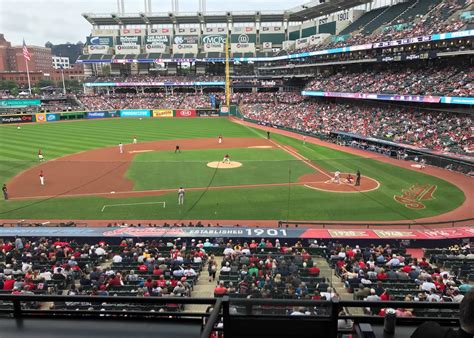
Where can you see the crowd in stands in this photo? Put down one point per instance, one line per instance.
(156, 78)
(434, 130)
(437, 20)
(145, 101)
(383, 273)
(433, 80)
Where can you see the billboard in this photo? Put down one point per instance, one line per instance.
(52, 117)
(186, 39)
(131, 31)
(266, 45)
(16, 119)
(213, 30)
(127, 49)
(213, 39)
(19, 103)
(185, 112)
(134, 113)
(214, 47)
(185, 48)
(99, 49)
(96, 114)
(153, 39)
(100, 41)
(301, 43)
(162, 113)
(242, 47)
(188, 30)
(129, 40)
(155, 48)
(41, 118)
(317, 39)
(159, 31)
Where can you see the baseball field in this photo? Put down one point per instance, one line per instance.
(86, 176)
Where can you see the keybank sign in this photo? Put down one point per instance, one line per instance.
(213, 39)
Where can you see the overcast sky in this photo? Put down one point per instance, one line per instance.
(59, 21)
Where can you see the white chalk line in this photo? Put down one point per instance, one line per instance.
(129, 204)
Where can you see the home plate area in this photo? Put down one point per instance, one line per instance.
(224, 165)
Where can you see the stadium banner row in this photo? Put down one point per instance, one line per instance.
(152, 84)
(28, 118)
(233, 232)
(396, 97)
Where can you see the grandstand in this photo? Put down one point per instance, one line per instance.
(284, 245)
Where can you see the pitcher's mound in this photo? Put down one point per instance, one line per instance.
(221, 165)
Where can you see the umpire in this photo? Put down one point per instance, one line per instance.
(5, 192)
(357, 182)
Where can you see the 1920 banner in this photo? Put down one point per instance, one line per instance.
(16, 119)
(185, 112)
(162, 113)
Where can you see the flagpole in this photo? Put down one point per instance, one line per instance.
(28, 74)
(64, 86)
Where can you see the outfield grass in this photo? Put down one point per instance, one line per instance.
(164, 169)
(19, 150)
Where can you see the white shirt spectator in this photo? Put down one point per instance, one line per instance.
(117, 259)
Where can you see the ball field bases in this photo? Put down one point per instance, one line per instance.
(266, 187)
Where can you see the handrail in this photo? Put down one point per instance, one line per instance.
(211, 321)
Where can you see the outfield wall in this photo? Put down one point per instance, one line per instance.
(123, 113)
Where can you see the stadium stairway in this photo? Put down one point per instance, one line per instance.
(203, 288)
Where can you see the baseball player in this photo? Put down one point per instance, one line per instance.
(177, 150)
(226, 159)
(5, 192)
(422, 163)
(304, 139)
(40, 155)
(180, 196)
(220, 139)
(41, 176)
(350, 179)
(121, 148)
(357, 183)
(135, 140)
(337, 177)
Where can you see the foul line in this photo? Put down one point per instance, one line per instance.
(127, 204)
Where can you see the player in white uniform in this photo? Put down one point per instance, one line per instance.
(226, 159)
(41, 176)
(121, 148)
(220, 139)
(180, 196)
(337, 177)
(135, 140)
(40, 155)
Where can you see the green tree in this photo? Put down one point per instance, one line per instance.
(9, 85)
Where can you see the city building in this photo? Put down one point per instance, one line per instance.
(61, 62)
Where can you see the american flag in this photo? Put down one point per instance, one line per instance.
(26, 53)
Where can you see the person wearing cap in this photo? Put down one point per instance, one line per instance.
(373, 296)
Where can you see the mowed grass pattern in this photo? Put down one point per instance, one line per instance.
(164, 169)
(19, 151)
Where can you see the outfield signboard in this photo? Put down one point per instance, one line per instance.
(16, 119)
(134, 113)
(19, 103)
(162, 113)
(185, 112)
(41, 118)
(52, 117)
(96, 114)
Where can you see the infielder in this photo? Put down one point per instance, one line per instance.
(121, 148)
(220, 139)
(337, 177)
(41, 176)
(177, 149)
(135, 140)
(180, 196)
(226, 159)
(40, 155)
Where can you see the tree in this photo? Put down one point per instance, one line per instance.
(8, 85)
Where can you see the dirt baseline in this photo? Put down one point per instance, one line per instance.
(102, 171)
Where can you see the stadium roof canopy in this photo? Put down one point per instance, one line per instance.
(304, 12)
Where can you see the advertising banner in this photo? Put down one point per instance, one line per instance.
(243, 38)
(213, 30)
(207, 112)
(155, 48)
(16, 119)
(301, 43)
(104, 32)
(127, 49)
(162, 113)
(41, 118)
(183, 48)
(99, 49)
(129, 40)
(289, 44)
(185, 112)
(100, 41)
(131, 31)
(272, 29)
(188, 30)
(213, 39)
(266, 45)
(19, 103)
(52, 117)
(214, 47)
(159, 31)
(134, 113)
(96, 114)
(317, 39)
(186, 39)
(154, 39)
(242, 47)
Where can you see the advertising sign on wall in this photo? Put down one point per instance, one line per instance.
(162, 113)
(96, 114)
(182, 48)
(100, 41)
(152, 39)
(134, 113)
(127, 49)
(129, 40)
(41, 118)
(186, 39)
(52, 117)
(186, 113)
(155, 48)
(213, 47)
(99, 49)
(242, 47)
(16, 119)
(19, 103)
